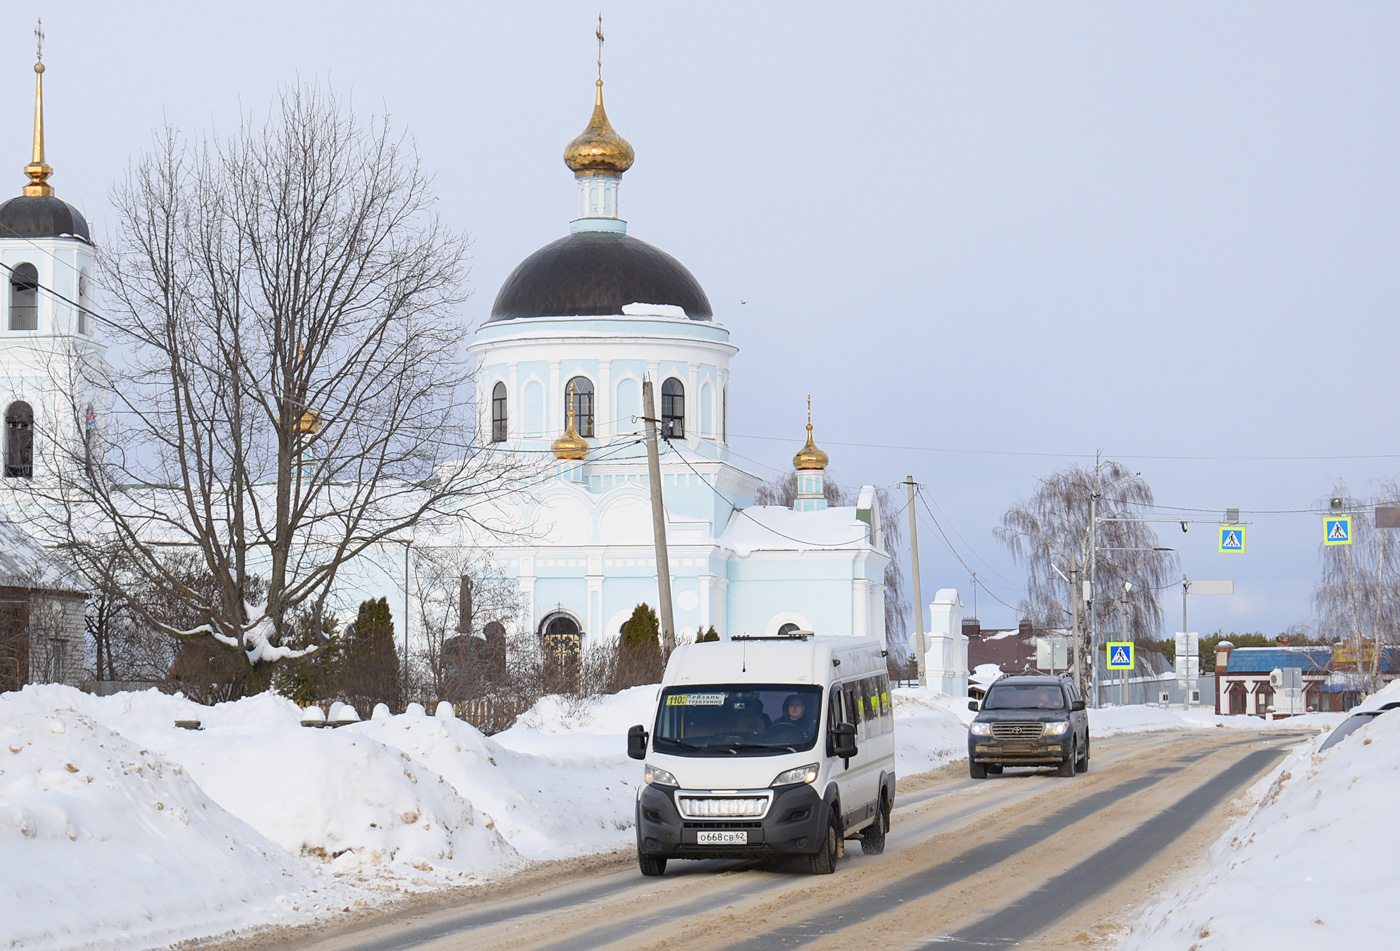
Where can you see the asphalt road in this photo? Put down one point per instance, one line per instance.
(1024, 859)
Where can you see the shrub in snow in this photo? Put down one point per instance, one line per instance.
(415, 710)
(380, 712)
(444, 711)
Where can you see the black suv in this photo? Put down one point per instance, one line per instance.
(1029, 720)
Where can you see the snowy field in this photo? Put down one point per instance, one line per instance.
(120, 830)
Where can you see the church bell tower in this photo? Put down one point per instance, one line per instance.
(50, 352)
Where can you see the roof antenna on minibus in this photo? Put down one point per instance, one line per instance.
(744, 659)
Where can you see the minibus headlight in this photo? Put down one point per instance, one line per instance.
(981, 729)
(802, 774)
(656, 776)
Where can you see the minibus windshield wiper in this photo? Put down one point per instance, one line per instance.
(736, 746)
(683, 744)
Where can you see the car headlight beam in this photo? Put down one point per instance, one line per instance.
(980, 729)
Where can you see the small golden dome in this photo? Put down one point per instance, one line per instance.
(598, 149)
(570, 445)
(309, 422)
(809, 456)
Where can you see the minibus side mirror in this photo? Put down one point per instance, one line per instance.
(972, 705)
(843, 740)
(637, 742)
(1077, 705)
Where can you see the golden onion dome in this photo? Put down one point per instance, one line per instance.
(570, 445)
(809, 456)
(310, 422)
(598, 149)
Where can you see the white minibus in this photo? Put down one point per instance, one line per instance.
(767, 747)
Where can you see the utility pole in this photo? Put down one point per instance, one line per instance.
(1079, 653)
(658, 525)
(909, 486)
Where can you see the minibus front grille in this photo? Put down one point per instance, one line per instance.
(722, 825)
(694, 805)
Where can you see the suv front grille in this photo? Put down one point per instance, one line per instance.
(1017, 731)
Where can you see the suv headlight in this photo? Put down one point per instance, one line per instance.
(1057, 729)
(656, 776)
(802, 774)
(980, 729)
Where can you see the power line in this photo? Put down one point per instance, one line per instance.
(919, 491)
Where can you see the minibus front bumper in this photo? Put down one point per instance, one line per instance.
(794, 823)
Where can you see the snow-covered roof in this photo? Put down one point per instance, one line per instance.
(779, 528)
(25, 564)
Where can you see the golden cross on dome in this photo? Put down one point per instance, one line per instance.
(599, 33)
(39, 38)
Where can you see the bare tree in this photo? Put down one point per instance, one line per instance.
(466, 605)
(1358, 596)
(292, 393)
(1051, 535)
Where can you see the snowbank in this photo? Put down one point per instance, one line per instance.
(1310, 865)
(120, 830)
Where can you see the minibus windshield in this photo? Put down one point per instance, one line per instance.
(737, 719)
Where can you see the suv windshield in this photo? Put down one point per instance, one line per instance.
(1024, 697)
(737, 719)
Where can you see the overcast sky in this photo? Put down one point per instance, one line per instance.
(989, 239)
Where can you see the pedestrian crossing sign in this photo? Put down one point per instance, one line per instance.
(1120, 655)
(1232, 538)
(1337, 530)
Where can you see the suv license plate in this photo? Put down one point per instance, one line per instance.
(721, 838)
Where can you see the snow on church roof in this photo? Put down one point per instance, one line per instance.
(779, 528)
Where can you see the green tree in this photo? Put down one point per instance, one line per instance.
(369, 664)
(708, 636)
(639, 658)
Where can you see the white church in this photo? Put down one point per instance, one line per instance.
(574, 331)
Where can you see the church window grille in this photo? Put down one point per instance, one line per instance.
(581, 389)
(24, 297)
(19, 441)
(672, 409)
(498, 413)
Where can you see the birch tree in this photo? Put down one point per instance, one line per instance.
(1357, 598)
(1052, 536)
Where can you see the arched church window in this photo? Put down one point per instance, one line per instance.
(498, 413)
(19, 441)
(672, 409)
(581, 389)
(24, 297)
(84, 318)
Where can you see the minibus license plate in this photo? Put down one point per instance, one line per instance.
(714, 837)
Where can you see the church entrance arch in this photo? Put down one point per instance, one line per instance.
(561, 639)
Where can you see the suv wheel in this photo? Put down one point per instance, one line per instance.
(1082, 765)
(1066, 767)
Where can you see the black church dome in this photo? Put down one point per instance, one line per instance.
(596, 274)
(41, 216)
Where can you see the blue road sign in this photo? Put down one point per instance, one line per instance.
(1120, 655)
(1232, 538)
(1336, 530)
